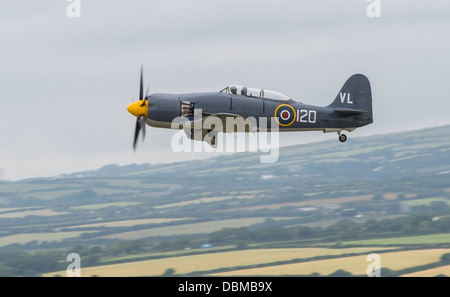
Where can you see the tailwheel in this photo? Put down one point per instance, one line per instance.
(342, 137)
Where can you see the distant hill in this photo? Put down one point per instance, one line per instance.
(380, 157)
(375, 176)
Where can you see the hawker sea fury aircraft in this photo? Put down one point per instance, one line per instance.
(351, 109)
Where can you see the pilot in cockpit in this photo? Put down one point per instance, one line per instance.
(233, 90)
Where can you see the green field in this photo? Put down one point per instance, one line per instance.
(404, 240)
(103, 205)
(194, 228)
(309, 202)
(128, 223)
(24, 213)
(426, 201)
(38, 237)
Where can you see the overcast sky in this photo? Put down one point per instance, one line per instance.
(65, 82)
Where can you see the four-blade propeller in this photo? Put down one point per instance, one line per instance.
(140, 110)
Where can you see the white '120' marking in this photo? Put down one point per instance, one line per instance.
(306, 116)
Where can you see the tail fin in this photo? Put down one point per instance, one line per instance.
(355, 97)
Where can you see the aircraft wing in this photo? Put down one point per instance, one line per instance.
(222, 116)
(210, 120)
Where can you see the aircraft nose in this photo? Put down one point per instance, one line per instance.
(138, 108)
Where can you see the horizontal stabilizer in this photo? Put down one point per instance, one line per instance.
(349, 110)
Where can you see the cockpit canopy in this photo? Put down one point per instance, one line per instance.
(253, 92)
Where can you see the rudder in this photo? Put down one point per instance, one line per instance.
(355, 97)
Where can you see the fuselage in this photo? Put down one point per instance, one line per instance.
(290, 115)
(254, 110)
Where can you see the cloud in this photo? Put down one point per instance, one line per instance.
(65, 83)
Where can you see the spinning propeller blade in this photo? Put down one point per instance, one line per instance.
(140, 110)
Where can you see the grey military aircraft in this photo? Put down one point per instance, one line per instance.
(351, 109)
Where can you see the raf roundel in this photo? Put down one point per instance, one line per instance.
(285, 114)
